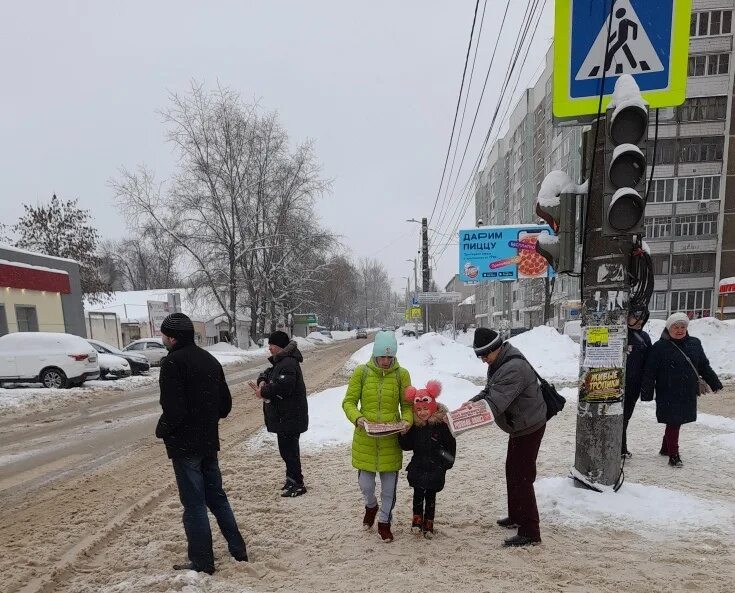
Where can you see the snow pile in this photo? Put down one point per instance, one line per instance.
(23, 395)
(304, 344)
(112, 363)
(434, 352)
(626, 94)
(227, 353)
(554, 356)
(645, 509)
(338, 336)
(555, 184)
(320, 338)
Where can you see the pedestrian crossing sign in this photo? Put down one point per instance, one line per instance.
(597, 41)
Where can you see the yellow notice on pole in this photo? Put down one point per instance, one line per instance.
(646, 39)
(597, 335)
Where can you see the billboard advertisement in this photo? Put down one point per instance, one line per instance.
(502, 253)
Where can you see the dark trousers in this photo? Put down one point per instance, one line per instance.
(628, 406)
(288, 447)
(200, 487)
(520, 474)
(424, 503)
(670, 444)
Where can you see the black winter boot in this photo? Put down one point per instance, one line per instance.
(675, 461)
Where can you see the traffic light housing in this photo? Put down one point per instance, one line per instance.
(625, 161)
(559, 250)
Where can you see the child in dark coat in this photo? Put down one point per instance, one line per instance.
(433, 448)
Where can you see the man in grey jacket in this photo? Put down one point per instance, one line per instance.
(515, 398)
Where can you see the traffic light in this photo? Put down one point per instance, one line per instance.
(559, 250)
(625, 161)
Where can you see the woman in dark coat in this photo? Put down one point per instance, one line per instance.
(670, 369)
(434, 448)
(285, 409)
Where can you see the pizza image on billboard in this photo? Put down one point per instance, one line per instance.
(530, 263)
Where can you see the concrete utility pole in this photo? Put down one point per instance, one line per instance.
(615, 211)
(425, 267)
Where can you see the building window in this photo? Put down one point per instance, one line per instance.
(695, 303)
(665, 151)
(658, 302)
(692, 225)
(3, 321)
(657, 227)
(661, 190)
(698, 188)
(700, 150)
(690, 263)
(713, 22)
(26, 317)
(708, 65)
(660, 265)
(703, 109)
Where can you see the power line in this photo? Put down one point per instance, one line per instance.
(472, 180)
(442, 214)
(464, 109)
(525, 23)
(456, 111)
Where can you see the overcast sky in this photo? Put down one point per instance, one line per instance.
(374, 84)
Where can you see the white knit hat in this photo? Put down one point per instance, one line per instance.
(677, 318)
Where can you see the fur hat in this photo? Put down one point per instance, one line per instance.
(486, 341)
(677, 318)
(424, 398)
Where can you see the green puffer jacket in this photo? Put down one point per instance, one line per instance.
(377, 400)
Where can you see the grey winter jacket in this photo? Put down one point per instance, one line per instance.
(514, 394)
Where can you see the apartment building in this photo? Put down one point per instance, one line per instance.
(690, 215)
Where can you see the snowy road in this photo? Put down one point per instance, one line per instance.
(71, 478)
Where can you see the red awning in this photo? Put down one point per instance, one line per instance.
(19, 275)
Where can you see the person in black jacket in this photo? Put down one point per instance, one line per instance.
(639, 345)
(434, 448)
(285, 409)
(194, 396)
(673, 368)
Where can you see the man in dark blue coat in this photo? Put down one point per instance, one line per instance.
(194, 396)
(639, 345)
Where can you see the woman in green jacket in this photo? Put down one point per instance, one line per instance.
(375, 394)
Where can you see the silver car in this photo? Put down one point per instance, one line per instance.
(152, 348)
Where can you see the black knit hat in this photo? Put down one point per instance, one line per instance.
(486, 341)
(279, 339)
(179, 326)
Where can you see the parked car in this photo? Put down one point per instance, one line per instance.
(56, 360)
(361, 333)
(137, 362)
(152, 348)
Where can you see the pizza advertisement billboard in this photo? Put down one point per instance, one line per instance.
(502, 253)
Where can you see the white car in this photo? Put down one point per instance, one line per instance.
(56, 360)
(152, 348)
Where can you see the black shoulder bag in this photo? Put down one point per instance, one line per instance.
(554, 401)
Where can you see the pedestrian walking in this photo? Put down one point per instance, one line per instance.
(639, 346)
(194, 396)
(434, 448)
(515, 398)
(374, 394)
(285, 408)
(674, 368)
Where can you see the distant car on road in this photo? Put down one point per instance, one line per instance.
(361, 333)
(325, 332)
(152, 348)
(137, 362)
(54, 359)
